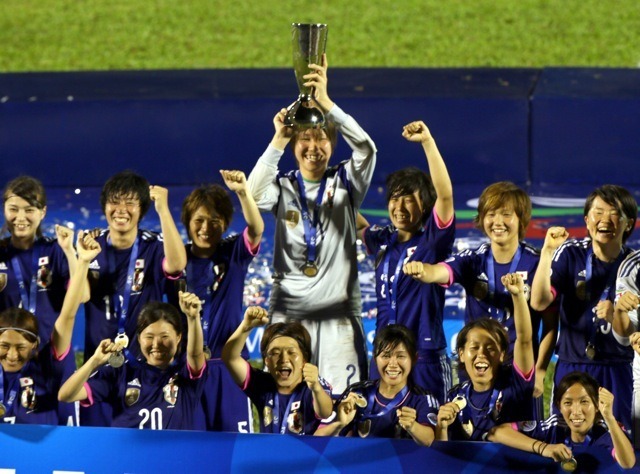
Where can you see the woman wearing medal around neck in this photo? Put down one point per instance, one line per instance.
(581, 274)
(391, 406)
(159, 391)
(504, 212)
(216, 270)
(290, 397)
(31, 375)
(35, 270)
(315, 261)
(587, 420)
(497, 390)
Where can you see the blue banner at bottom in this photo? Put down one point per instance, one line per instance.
(46, 449)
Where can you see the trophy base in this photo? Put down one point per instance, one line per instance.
(301, 116)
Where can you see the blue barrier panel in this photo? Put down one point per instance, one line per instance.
(42, 449)
(585, 128)
(179, 127)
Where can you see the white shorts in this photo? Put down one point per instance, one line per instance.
(337, 348)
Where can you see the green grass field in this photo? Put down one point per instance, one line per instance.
(64, 35)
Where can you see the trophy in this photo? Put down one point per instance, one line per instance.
(309, 43)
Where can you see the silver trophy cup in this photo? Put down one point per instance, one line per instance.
(309, 42)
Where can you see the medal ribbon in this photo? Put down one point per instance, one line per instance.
(13, 392)
(282, 424)
(611, 279)
(385, 409)
(392, 288)
(121, 309)
(207, 299)
(310, 223)
(28, 300)
(492, 402)
(491, 276)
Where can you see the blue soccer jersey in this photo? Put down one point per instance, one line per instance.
(419, 306)
(145, 397)
(486, 296)
(379, 418)
(284, 414)
(219, 282)
(554, 430)
(30, 396)
(581, 280)
(484, 410)
(108, 277)
(48, 264)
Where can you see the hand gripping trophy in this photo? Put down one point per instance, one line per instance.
(309, 42)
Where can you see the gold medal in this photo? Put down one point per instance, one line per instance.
(590, 351)
(569, 465)
(360, 400)
(310, 269)
(460, 401)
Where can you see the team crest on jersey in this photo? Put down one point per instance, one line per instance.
(364, 428)
(292, 218)
(295, 422)
(527, 292)
(3, 281)
(218, 274)
(28, 395)
(581, 290)
(170, 391)
(468, 428)
(480, 290)
(44, 275)
(131, 396)
(267, 415)
(138, 276)
(410, 252)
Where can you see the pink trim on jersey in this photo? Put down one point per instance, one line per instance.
(193, 375)
(87, 402)
(57, 356)
(526, 377)
(514, 426)
(439, 223)
(554, 292)
(245, 384)
(252, 250)
(450, 282)
(170, 276)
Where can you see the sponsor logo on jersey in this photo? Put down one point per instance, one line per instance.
(135, 383)
(94, 265)
(3, 266)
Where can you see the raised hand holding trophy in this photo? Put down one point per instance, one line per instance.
(309, 42)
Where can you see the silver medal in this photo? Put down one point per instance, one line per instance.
(116, 359)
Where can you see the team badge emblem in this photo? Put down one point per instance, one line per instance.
(295, 422)
(267, 415)
(581, 290)
(292, 218)
(468, 428)
(44, 277)
(171, 392)
(138, 280)
(527, 292)
(218, 274)
(131, 396)
(3, 281)
(28, 395)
